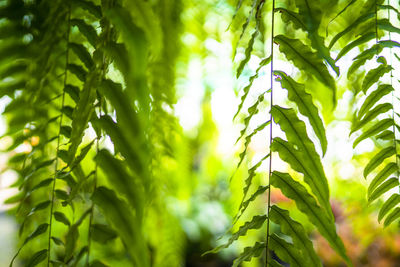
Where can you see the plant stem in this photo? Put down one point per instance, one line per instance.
(270, 132)
(58, 139)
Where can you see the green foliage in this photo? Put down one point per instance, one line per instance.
(81, 73)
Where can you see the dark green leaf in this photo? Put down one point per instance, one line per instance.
(374, 75)
(352, 26)
(306, 60)
(374, 97)
(248, 253)
(87, 30)
(372, 114)
(395, 214)
(123, 220)
(389, 204)
(90, 7)
(287, 252)
(363, 39)
(308, 205)
(102, 233)
(78, 70)
(383, 188)
(122, 180)
(41, 229)
(303, 100)
(378, 159)
(73, 92)
(296, 134)
(373, 130)
(57, 241)
(381, 176)
(82, 54)
(83, 112)
(297, 232)
(255, 223)
(60, 217)
(61, 194)
(37, 258)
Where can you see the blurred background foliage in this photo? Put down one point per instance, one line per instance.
(197, 189)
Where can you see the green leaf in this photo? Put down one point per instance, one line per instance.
(374, 97)
(41, 184)
(255, 223)
(246, 89)
(78, 71)
(125, 145)
(374, 75)
(352, 26)
(247, 53)
(373, 130)
(68, 111)
(57, 241)
(363, 39)
(386, 135)
(306, 60)
(66, 131)
(37, 258)
(89, 6)
(118, 52)
(61, 194)
(381, 176)
(248, 140)
(383, 188)
(248, 253)
(395, 214)
(122, 219)
(41, 229)
(384, 24)
(295, 159)
(73, 92)
(87, 30)
(247, 21)
(126, 115)
(296, 134)
(40, 206)
(84, 151)
(123, 182)
(297, 232)
(287, 252)
(244, 204)
(83, 113)
(60, 217)
(372, 114)
(310, 13)
(303, 100)
(82, 54)
(293, 17)
(308, 205)
(102, 233)
(369, 53)
(389, 204)
(378, 159)
(70, 241)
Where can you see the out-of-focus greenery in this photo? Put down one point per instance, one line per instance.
(176, 182)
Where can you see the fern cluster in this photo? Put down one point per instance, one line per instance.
(306, 49)
(79, 75)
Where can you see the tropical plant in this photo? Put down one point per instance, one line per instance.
(303, 44)
(92, 91)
